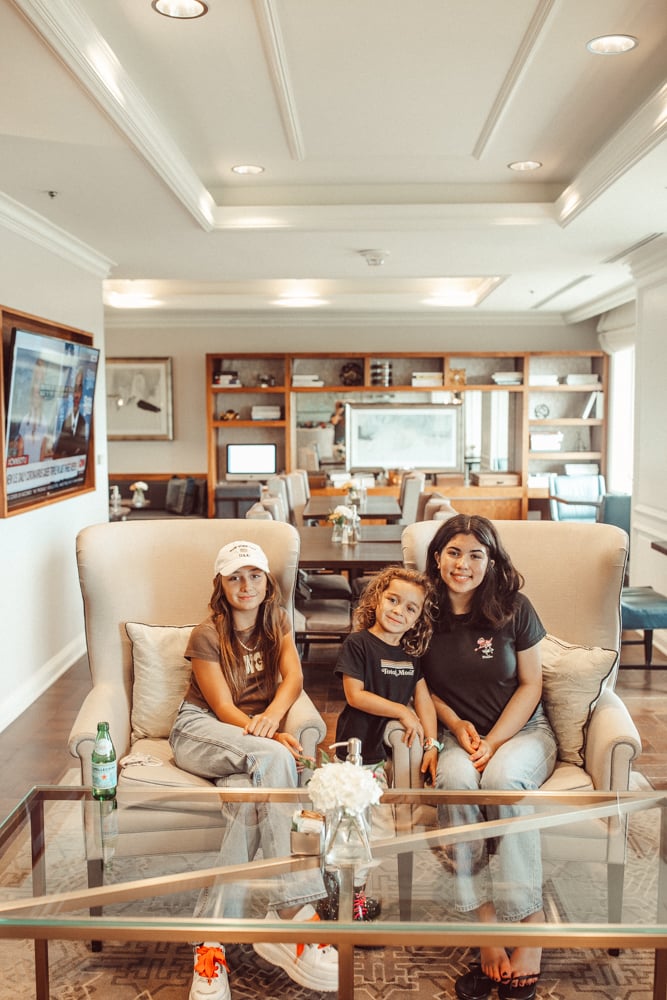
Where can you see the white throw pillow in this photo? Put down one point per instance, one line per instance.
(161, 676)
(573, 678)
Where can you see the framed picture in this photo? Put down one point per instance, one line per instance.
(139, 399)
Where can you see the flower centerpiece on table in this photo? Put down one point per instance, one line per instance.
(343, 786)
(339, 517)
(344, 792)
(138, 491)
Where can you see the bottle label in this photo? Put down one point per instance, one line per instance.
(105, 775)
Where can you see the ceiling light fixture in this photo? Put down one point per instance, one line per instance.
(521, 165)
(374, 258)
(180, 8)
(612, 45)
(247, 168)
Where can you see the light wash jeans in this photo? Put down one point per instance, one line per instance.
(229, 757)
(524, 762)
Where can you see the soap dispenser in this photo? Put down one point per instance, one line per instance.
(353, 750)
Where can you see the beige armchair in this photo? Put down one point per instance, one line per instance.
(159, 575)
(574, 575)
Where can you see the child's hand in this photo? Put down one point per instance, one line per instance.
(429, 765)
(262, 725)
(413, 727)
(293, 745)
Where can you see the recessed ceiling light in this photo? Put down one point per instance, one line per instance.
(247, 168)
(180, 8)
(525, 165)
(612, 45)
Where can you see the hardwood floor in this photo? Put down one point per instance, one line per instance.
(34, 747)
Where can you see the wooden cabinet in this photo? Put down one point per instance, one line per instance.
(525, 412)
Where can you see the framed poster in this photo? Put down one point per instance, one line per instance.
(139, 399)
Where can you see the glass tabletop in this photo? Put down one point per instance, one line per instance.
(600, 856)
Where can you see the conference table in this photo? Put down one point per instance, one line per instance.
(380, 546)
(376, 507)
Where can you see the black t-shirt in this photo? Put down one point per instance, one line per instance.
(384, 670)
(473, 668)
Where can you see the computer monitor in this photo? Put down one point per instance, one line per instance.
(251, 461)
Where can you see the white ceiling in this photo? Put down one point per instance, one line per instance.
(381, 124)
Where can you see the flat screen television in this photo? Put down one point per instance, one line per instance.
(50, 393)
(427, 437)
(251, 461)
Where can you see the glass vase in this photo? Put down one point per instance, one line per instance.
(138, 498)
(337, 533)
(346, 838)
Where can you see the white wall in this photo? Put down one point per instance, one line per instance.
(649, 507)
(41, 616)
(188, 344)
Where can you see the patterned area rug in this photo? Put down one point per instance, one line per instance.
(163, 971)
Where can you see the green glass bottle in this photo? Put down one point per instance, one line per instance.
(105, 770)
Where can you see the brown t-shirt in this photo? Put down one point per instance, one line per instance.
(204, 644)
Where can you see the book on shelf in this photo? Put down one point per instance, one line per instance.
(582, 378)
(590, 405)
(543, 378)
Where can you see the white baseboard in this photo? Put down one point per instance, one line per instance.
(29, 689)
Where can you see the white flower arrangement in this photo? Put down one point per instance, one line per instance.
(340, 514)
(139, 485)
(343, 786)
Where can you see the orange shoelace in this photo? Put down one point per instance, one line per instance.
(300, 948)
(207, 959)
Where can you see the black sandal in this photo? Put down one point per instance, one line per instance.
(474, 984)
(511, 991)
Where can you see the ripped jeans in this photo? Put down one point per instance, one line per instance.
(231, 758)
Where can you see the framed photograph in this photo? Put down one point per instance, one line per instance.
(139, 399)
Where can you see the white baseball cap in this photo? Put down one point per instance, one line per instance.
(237, 554)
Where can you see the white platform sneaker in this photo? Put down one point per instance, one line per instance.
(210, 981)
(314, 966)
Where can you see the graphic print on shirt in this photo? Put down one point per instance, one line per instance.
(253, 662)
(485, 648)
(397, 668)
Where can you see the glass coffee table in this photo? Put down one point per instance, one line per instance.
(45, 895)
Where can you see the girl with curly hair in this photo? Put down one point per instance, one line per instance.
(380, 666)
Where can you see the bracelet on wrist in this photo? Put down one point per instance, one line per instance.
(431, 744)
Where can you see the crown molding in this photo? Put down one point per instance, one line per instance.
(634, 140)
(151, 318)
(649, 263)
(596, 307)
(38, 230)
(67, 29)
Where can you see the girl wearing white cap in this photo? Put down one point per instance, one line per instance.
(246, 675)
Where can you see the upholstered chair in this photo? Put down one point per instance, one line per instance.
(144, 585)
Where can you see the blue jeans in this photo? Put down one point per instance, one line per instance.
(229, 757)
(524, 762)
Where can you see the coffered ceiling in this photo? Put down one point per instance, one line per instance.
(380, 125)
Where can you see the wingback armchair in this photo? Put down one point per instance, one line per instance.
(574, 575)
(143, 585)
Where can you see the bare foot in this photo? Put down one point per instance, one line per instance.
(525, 962)
(495, 964)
